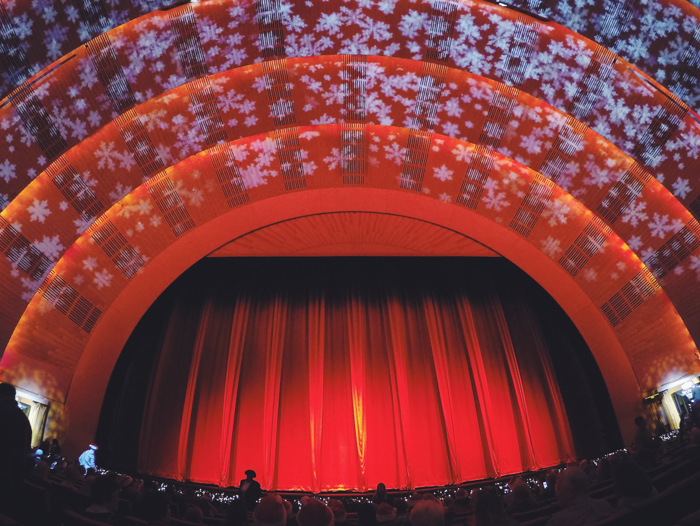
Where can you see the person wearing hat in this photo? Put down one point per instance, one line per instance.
(87, 457)
(250, 489)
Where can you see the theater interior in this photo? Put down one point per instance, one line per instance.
(419, 242)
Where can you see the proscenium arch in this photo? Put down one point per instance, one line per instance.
(57, 84)
(593, 152)
(620, 30)
(656, 314)
(559, 85)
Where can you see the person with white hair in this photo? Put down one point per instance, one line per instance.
(578, 507)
(428, 512)
(270, 511)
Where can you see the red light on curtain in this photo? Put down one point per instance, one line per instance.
(344, 385)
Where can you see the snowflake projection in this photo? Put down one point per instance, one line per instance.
(557, 211)
(395, 153)
(660, 225)
(447, 198)
(107, 156)
(695, 265)
(681, 188)
(120, 190)
(551, 247)
(462, 152)
(635, 213)
(635, 243)
(102, 279)
(142, 207)
(39, 210)
(7, 171)
(50, 246)
(89, 263)
(443, 173)
(590, 274)
(494, 199)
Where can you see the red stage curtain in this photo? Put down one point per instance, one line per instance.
(322, 388)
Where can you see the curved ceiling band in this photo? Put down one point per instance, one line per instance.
(105, 259)
(166, 49)
(537, 135)
(661, 38)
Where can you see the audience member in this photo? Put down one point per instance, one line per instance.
(270, 511)
(105, 500)
(460, 506)
(488, 509)
(194, 515)
(15, 440)
(315, 513)
(550, 483)
(522, 498)
(339, 512)
(155, 508)
(386, 513)
(428, 512)
(632, 484)
(74, 476)
(250, 489)
(646, 450)
(237, 514)
(578, 507)
(381, 495)
(603, 471)
(366, 516)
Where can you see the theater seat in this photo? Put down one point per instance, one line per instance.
(71, 518)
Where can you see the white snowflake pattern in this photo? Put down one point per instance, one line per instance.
(102, 279)
(107, 155)
(659, 225)
(90, 263)
(395, 153)
(635, 213)
(551, 246)
(443, 173)
(39, 210)
(681, 188)
(494, 199)
(635, 243)
(557, 211)
(590, 274)
(50, 246)
(7, 171)
(695, 265)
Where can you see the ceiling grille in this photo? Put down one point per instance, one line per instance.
(206, 110)
(628, 188)
(415, 160)
(499, 115)
(183, 23)
(22, 253)
(585, 246)
(38, 122)
(170, 204)
(534, 203)
(352, 153)
(478, 171)
(74, 189)
(289, 155)
(630, 297)
(354, 77)
(567, 143)
(441, 26)
(69, 302)
(111, 73)
(228, 175)
(115, 246)
(676, 250)
(599, 71)
(139, 143)
(515, 62)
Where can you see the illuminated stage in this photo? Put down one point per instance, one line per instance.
(338, 373)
